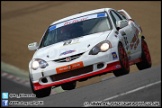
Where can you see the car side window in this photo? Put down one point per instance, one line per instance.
(123, 17)
(115, 17)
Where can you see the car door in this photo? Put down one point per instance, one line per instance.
(134, 45)
(127, 32)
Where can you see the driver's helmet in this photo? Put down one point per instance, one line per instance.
(64, 33)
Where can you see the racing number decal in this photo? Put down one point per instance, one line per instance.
(126, 42)
(67, 42)
(135, 41)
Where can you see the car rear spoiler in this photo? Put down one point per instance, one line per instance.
(123, 12)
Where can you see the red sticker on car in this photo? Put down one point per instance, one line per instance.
(69, 67)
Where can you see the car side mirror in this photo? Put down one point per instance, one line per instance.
(121, 24)
(33, 46)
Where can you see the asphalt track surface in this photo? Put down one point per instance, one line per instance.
(140, 86)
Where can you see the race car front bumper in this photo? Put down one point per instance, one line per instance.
(110, 67)
(91, 65)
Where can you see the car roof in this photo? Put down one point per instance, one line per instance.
(81, 14)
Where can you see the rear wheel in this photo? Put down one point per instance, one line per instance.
(40, 93)
(69, 86)
(146, 58)
(123, 61)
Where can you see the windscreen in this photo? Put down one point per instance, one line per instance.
(82, 26)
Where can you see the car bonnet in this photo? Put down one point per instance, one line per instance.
(70, 47)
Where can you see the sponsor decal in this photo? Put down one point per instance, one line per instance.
(114, 55)
(75, 21)
(67, 52)
(69, 67)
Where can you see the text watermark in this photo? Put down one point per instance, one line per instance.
(122, 103)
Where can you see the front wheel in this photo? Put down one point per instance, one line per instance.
(40, 93)
(125, 68)
(146, 58)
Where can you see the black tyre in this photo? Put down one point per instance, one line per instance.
(69, 86)
(125, 68)
(40, 93)
(146, 58)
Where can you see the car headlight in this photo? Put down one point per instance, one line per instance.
(38, 63)
(94, 51)
(104, 47)
(100, 47)
(35, 65)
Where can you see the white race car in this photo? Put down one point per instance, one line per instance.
(84, 45)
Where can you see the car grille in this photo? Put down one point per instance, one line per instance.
(72, 58)
(72, 73)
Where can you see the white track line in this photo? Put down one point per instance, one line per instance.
(10, 76)
(4, 74)
(15, 79)
(131, 91)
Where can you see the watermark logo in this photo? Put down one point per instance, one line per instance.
(21, 95)
(26, 103)
(4, 95)
(122, 103)
(4, 102)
